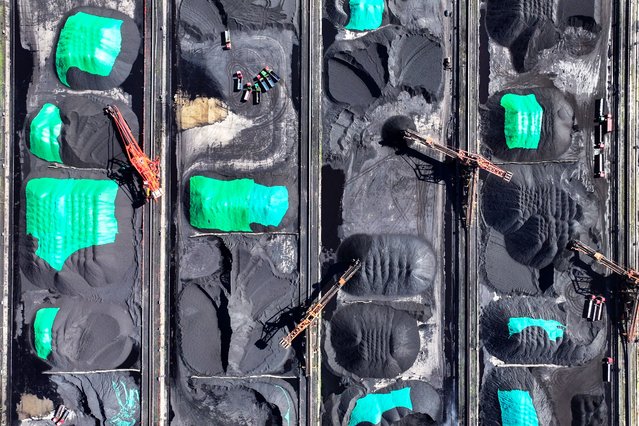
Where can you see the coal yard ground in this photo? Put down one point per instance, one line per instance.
(362, 212)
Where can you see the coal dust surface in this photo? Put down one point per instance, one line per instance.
(528, 28)
(392, 265)
(223, 315)
(264, 401)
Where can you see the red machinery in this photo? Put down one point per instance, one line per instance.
(148, 169)
(318, 307)
(630, 275)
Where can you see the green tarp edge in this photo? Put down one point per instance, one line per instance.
(66, 215)
(522, 120)
(44, 131)
(517, 408)
(371, 407)
(42, 330)
(365, 15)
(90, 43)
(553, 328)
(235, 204)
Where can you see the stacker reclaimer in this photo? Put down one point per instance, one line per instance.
(469, 160)
(318, 307)
(148, 169)
(631, 276)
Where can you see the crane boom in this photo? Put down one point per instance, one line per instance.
(630, 275)
(317, 308)
(416, 142)
(148, 169)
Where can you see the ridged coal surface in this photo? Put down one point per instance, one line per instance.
(392, 265)
(536, 211)
(373, 340)
(581, 341)
(525, 26)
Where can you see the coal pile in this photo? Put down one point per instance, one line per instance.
(393, 265)
(406, 402)
(111, 398)
(556, 126)
(566, 340)
(87, 138)
(495, 412)
(374, 341)
(536, 213)
(240, 403)
(96, 48)
(529, 28)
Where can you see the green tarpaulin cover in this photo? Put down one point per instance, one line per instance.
(365, 14)
(553, 328)
(129, 404)
(42, 334)
(371, 407)
(66, 215)
(233, 205)
(517, 408)
(44, 132)
(522, 120)
(90, 43)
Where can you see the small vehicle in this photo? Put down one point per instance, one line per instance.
(608, 122)
(606, 365)
(262, 82)
(599, 170)
(227, 39)
(248, 88)
(599, 110)
(276, 77)
(600, 136)
(268, 78)
(238, 80)
(589, 307)
(257, 94)
(61, 415)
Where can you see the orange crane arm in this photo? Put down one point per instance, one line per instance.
(318, 307)
(149, 170)
(416, 142)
